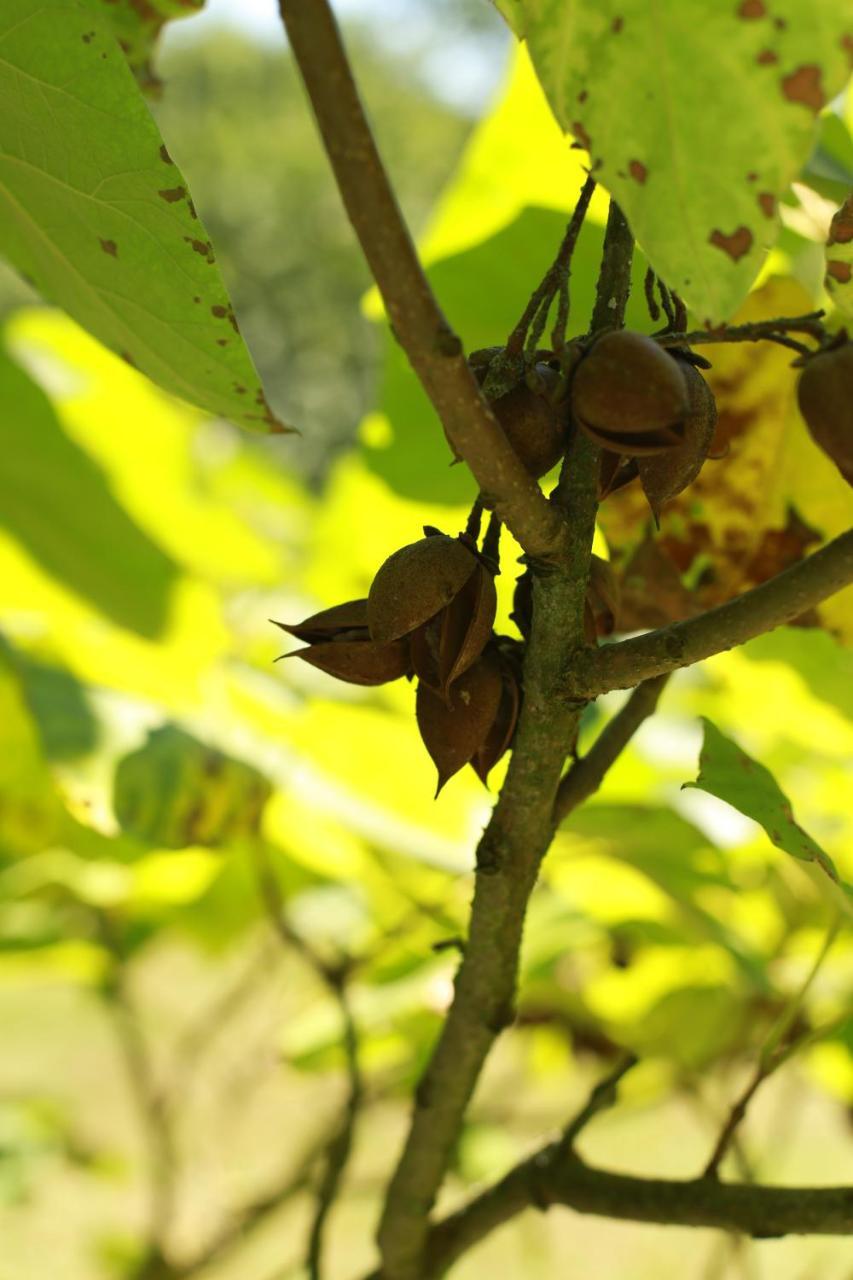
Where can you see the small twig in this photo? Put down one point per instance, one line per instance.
(334, 977)
(491, 543)
(666, 303)
(253, 1216)
(651, 300)
(754, 331)
(587, 774)
(602, 1097)
(680, 310)
(773, 1054)
(475, 517)
(154, 1123)
(198, 1035)
(556, 277)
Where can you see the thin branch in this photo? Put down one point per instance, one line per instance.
(550, 1177)
(511, 849)
(778, 1048)
(587, 774)
(153, 1121)
(340, 1147)
(334, 977)
(779, 600)
(754, 331)
(433, 349)
(254, 1215)
(649, 290)
(602, 1096)
(556, 276)
(197, 1037)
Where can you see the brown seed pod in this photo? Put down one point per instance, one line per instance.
(446, 646)
(533, 424)
(667, 474)
(629, 395)
(357, 661)
(499, 737)
(328, 623)
(455, 730)
(614, 473)
(415, 583)
(825, 395)
(602, 599)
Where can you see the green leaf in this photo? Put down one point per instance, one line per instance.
(177, 791)
(137, 28)
(57, 502)
(96, 214)
(730, 774)
(696, 116)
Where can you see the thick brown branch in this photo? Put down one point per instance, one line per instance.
(509, 854)
(783, 598)
(434, 351)
(550, 1177)
(587, 774)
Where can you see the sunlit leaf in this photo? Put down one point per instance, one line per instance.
(94, 211)
(177, 791)
(729, 773)
(697, 117)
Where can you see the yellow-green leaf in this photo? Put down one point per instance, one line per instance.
(96, 214)
(696, 116)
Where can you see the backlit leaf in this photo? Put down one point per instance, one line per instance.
(96, 214)
(697, 117)
(729, 773)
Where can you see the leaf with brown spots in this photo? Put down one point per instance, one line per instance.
(738, 243)
(804, 85)
(95, 212)
(699, 95)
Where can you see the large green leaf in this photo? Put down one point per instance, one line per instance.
(729, 773)
(94, 211)
(58, 504)
(697, 117)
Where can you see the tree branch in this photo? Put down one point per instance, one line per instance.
(781, 599)
(433, 349)
(511, 849)
(587, 774)
(551, 1177)
(754, 331)
(334, 978)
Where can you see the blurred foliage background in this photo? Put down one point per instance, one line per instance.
(166, 1059)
